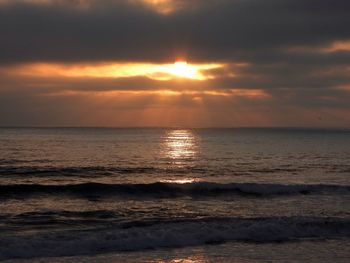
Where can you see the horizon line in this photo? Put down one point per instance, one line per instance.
(172, 127)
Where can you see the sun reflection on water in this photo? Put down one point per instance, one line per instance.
(189, 260)
(179, 181)
(180, 145)
(180, 150)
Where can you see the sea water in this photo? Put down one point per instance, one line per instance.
(174, 195)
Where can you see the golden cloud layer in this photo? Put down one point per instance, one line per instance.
(117, 70)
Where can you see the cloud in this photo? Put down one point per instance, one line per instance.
(126, 31)
(293, 54)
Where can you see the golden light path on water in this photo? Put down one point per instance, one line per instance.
(180, 146)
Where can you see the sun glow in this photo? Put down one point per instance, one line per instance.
(182, 69)
(119, 70)
(164, 7)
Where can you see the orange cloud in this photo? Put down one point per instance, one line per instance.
(338, 46)
(343, 88)
(196, 95)
(341, 45)
(160, 108)
(161, 6)
(117, 70)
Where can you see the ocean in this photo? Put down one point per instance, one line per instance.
(174, 195)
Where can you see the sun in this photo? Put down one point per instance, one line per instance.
(182, 69)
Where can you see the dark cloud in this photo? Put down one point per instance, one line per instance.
(209, 30)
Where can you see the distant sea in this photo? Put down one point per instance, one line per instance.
(174, 195)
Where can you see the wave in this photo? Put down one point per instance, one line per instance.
(56, 218)
(171, 234)
(161, 189)
(92, 171)
(71, 171)
(10, 170)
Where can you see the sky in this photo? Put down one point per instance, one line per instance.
(175, 63)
